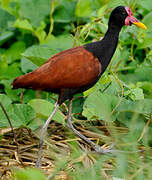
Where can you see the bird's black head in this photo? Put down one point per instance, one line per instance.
(118, 16)
(122, 15)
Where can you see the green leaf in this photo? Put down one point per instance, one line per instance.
(145, 4)
(100, 106)
(101, 10)
(38, 54)
(40, 32)
(106, 82)
(115, 3)
(147, 20)
(19, 114)
(146, 43)
(4, 36)
(5, 100)
(60, 43)
(5, 4)
(27, 65)
(138, 93)
(64, 11)
(14, 52)
(44, 108)
(23, 24)
(83, 8)
(141, 106)
(142, 73)
(147, 88)
(9, 72)
(135, 93)
(29, 174)
(34, 10)
(5, 19)
(149, 55)
(13, 94)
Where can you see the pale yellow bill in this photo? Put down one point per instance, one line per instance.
(140, 25)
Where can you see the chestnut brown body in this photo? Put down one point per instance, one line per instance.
(72, 69)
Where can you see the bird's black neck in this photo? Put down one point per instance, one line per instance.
(112, 33)
(105, 48)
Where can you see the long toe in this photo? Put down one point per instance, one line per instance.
(101, 150)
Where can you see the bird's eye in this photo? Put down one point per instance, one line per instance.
(123, 13)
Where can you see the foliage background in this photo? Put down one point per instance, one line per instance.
(31, 31)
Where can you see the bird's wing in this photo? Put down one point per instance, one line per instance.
(73, 68)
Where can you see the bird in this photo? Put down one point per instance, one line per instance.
(76, 70)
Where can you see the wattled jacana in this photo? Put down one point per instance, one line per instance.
(77, 69)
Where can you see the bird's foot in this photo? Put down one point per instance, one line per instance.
(110, 149)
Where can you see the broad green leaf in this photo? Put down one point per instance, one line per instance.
(146, 42)
(60, 43)
(29, 174)
(115, 3)
(141, 106)
(14, 52)
(9, 71)
(5, 19)
(15, 94)
(64, 11)
(84, 8)
(145, 4)
(40, 32)
(44, 109)
(147, 21)
(135, 93)
(106, 83)
(120, 58)
(142, 73)
(6, 4)
(147, 88)
(27, 65)
(96, 87)
(19, 114)
(102, 10)
(105, 79)
(34, 10)
(38, 54)
(23, 24)
(100, 106)
(5, 36)
(149, 55)
(5, 100)
(11, 93)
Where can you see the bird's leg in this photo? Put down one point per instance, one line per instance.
(97, 148)
(42, 136)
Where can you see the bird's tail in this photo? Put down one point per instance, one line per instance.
(23, 81)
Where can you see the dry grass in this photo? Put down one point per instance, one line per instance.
(22, 153)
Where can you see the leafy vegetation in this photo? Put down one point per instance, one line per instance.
(117, 109)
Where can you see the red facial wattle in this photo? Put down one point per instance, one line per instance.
(130, 19)
(129, 11)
